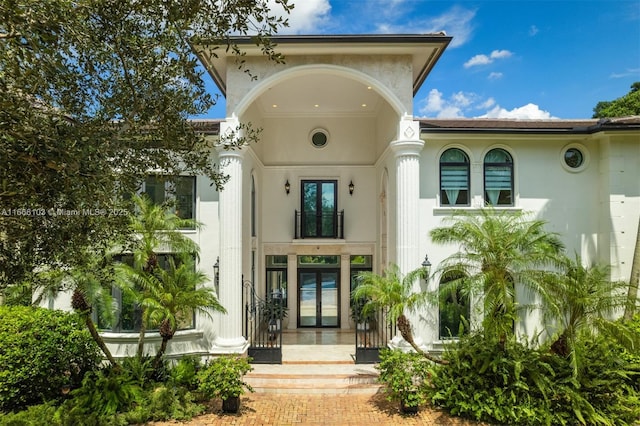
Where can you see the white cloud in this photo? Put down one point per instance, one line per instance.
(478, 60)
(453, 107)
(626, 73)
(497, 54)
(483, 59)
(527, 112)
(456, 22)
(466, 104)
(533, 30)
(495, 76)
(306, 16)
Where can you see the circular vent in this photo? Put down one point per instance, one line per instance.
(319, 138)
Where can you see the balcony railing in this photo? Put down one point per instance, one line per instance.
(319, 225)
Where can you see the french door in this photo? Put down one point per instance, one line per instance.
(319, 209)
(318, 298)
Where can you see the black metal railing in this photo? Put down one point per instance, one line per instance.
(262, 329)
(319, 225)
(372, 336)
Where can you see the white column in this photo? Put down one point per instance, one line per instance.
(407, 150)
(230, 338)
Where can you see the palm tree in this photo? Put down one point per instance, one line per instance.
(394, 293)
(172, 295)
(153, 228)
(582, 301)
(90, 293)
(634, 280)
(496, 252)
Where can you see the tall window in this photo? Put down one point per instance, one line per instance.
(178, 193)
(453, 308)
(454, 178)
(319, 209)
(277, 277)
(498, 178)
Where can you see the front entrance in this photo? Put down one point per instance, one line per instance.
(319, 298)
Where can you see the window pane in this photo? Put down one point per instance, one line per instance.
(498, 178)
(328, 209)
(154, 187)
(184, 197)
(453, 309)
(454, 177)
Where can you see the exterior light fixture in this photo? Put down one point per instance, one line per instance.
(426, 265)
(216, 272)
(351, 188)
(287, 187)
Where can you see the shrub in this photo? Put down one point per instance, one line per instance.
(223, 377)
(405, 377)
(511, 383)
(43, 353)
(35, 415)
(184, 373)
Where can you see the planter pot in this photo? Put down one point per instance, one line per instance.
(275, 325)
(407, 410)
(363, 326)
(231, 404)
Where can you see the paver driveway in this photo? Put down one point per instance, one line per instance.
(339, 410)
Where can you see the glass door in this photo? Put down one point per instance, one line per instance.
(318, 298)
(319, 209)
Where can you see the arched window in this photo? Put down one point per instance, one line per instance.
(498, 178)
(454, 178)
(453, 307)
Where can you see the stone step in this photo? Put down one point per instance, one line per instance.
(314, 378)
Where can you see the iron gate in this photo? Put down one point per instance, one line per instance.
(262, 327)
(372, 336)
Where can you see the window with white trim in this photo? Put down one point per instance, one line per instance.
(177, 193)
(454, 178)
(498, 178)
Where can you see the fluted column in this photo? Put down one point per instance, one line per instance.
(407, 150)
(230, 338)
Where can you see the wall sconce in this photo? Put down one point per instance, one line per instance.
(426, 265)
(351, 188)
(287, 187)
(216, 272)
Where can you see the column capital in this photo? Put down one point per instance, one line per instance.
(408, 141)
(403, 148)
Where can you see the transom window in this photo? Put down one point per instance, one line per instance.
(498, 178)
(177, 193)
(454, 178)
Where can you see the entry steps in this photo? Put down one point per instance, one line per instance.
(315, 369)
(314, 378)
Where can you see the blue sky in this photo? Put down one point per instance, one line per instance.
(508, 59)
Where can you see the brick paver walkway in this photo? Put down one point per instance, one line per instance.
(327, 410)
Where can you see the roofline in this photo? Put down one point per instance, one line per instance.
(440, 38)
(348, 38)
(505, 126)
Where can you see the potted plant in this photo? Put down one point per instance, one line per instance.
(223, 378)
(405, 377)
(362, 315)
(273, 311)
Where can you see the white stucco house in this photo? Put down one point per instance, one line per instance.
(345, 179)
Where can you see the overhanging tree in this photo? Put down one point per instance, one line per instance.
(93, 94)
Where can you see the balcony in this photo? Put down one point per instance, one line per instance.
(319, 225)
